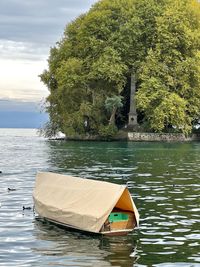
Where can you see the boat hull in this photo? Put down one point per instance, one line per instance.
(70, 227)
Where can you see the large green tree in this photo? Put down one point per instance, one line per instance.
(169, 91)
(159, 40)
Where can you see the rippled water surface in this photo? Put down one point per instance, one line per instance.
(163, 180)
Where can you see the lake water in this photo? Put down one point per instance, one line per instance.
(163, 179)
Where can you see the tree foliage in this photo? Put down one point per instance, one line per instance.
(91, 66)
(169, 91)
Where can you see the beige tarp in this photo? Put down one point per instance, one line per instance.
(81, 203)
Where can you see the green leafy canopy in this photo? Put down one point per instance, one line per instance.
(89, 69)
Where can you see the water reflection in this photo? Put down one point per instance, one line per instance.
(70, 248)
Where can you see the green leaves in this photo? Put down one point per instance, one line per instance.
(172, 110)
(169, 91)
(110, 68)
(113, 102)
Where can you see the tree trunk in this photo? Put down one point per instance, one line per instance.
(112, 117)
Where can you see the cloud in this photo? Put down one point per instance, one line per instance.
(38, 21)
(22, 50)
(28, 28)
(19, 79)
(36, 25)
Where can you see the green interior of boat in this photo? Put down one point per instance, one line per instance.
(117, 216)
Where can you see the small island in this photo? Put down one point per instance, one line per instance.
(127, 70)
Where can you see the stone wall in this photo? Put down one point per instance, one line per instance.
(165, 137)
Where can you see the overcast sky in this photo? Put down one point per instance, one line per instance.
(28, 28)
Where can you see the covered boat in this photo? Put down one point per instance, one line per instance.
(85, 204)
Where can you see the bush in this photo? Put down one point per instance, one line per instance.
(107, 132)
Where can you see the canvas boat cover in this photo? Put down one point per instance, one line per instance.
(81, 203)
